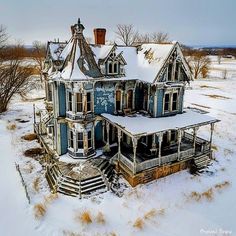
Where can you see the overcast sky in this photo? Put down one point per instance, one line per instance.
(193, 22)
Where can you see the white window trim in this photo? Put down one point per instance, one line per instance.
(112, 63)
(170, 102)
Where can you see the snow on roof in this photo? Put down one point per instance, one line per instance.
(154, 125)
(72, 70)
(144, 64)
(55, 49)
(101, 51)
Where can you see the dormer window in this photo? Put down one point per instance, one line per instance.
(112, 67)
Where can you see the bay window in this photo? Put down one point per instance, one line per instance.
(71, 139)
(79, 102)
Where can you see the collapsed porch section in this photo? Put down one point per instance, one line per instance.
(144, 146)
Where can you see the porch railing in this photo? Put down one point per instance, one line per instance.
(155, 161)
(126, 161)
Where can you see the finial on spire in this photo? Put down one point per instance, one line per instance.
(78, 21)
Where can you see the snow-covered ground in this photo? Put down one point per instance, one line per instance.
(177, 205)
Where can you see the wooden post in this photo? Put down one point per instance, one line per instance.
(40, 122)
(194, 139)
(135, 142)
(108, 136)
(119, 139)
(160, 137)
(212, 129)
(179, 143)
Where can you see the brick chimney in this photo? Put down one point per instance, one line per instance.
(99, 35)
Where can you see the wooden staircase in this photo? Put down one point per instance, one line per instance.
(199, 163)
(73, 187)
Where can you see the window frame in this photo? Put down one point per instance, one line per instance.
(79, 139)
(69, 101)
(79, 102)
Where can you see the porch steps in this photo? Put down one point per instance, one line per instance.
(199, 163)
(107, 169)
(73, 187)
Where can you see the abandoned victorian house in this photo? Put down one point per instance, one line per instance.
(115, 111)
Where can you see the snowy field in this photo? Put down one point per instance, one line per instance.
(177, 205)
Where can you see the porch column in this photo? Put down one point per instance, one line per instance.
(179, 142)
(108, 136)
(154, 141)
(160, 137)
(119, 139)
(135, 142)
(195, 129)
(212, 129)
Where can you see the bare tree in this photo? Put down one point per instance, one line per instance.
(14, 76)
(39, 53)
(160, 37)
(156, 37)
(199, 63)
(126, 34)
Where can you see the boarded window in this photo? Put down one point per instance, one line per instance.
(174, 101)
(69, 101)
(89, 102)
(80, 141)
(130, 99)
(79, 102)
(118, 100)
(89, 139)
(167, 102)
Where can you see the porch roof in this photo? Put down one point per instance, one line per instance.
(140, 125)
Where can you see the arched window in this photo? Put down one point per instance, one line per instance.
(110, 69)
(115, 68)
(130, 99)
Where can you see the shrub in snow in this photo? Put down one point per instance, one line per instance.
(150, 214)
(29, 137)
(84, 217)
(100, 218)
(11, 126)
(139, 223)
(39, 210)
(32, 152)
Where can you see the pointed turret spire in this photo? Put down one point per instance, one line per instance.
(80, 60)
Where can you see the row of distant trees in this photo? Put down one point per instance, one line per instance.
(15, 70)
